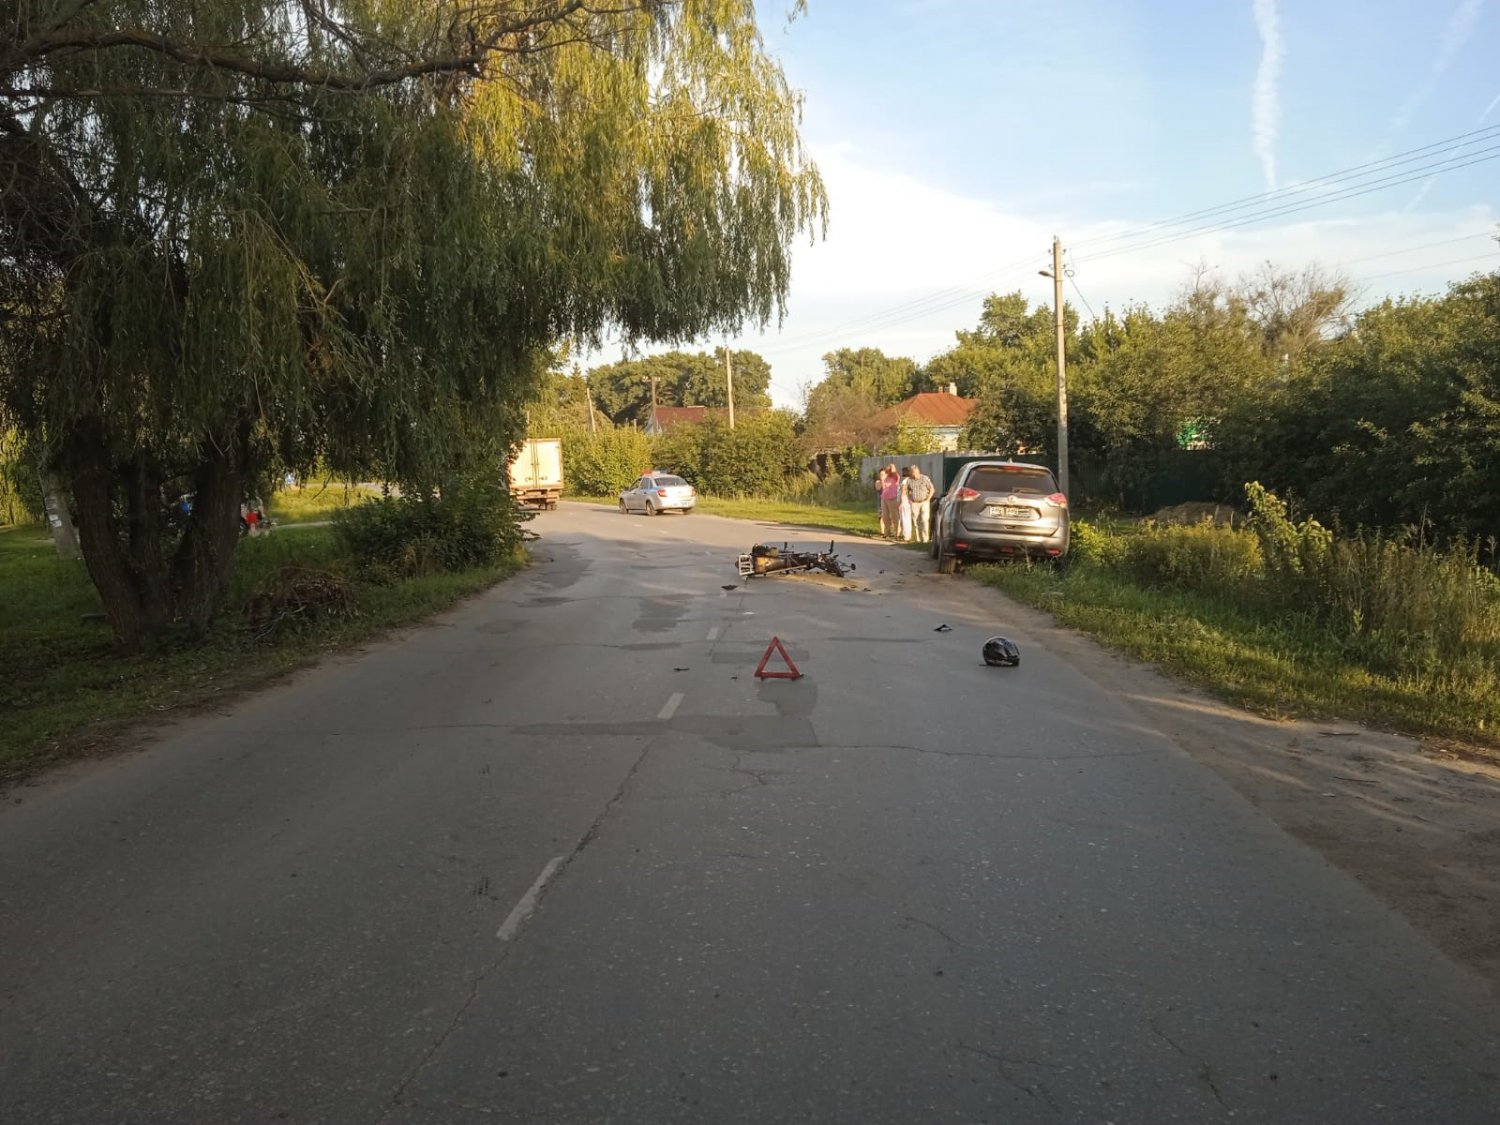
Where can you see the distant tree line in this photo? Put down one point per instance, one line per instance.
(1384, 418)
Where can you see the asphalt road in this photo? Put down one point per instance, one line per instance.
(560, 857)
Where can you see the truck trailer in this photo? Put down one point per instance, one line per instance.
(536, 474)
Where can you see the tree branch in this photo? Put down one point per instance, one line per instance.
(470, 62)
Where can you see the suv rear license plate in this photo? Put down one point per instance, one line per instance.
(1005, 511)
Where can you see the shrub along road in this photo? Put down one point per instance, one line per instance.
(560, 857)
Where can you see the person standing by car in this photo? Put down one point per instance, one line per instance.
(917, 490)
(890, 501)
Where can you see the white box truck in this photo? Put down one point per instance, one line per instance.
(536, 475)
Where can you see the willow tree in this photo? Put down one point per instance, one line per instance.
(240, 235)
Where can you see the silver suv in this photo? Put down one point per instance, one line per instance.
(1000, 509)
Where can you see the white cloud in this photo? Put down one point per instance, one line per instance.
(908, 264)
(1265, 100)
(1456, 33)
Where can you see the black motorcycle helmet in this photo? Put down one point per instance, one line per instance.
(1001, 652)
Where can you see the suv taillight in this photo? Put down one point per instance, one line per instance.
(1058, 500)
(967, 494)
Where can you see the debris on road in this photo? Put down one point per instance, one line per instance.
(944, 628)
(765, 559)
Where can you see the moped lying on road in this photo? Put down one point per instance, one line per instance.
(765, 559)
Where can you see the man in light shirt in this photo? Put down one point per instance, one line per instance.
(918, 490)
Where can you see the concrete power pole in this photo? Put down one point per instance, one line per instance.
(1062, 366)
(729, 383)
(59, 519)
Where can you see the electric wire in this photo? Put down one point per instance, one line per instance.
(1357, 172)
(1279, 212)
(1432, 266)
(1092, 314)
(954, 296)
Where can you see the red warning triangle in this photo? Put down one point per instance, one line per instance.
(790, 674)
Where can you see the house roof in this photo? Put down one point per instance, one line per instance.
(666, 417)
(930, 408)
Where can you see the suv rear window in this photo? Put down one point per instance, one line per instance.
(1011, 478)
(669, 482)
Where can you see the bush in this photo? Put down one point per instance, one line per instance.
(1296, 554)
(1403, 604)
(20, 491)
(604, 463)
(756, 458)
(681, 450)
(1199, 557)
(1094, 546)
(470, 523)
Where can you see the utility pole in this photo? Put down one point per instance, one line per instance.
(1056, 274)
(588, 393)
(59, 519)
(729, 383)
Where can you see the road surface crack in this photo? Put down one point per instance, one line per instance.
(1205, 1072)
(937, 930)
(588, 837)
(1034, 1089)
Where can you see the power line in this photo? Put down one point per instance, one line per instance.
(1271, 205)
(1358, 171)
(1414, 249)
(1092, 314)
(1433, 266)
(1279, 212)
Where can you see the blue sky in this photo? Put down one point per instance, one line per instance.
(958, 136)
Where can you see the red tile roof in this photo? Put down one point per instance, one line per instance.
(930, 408)
(668, 416)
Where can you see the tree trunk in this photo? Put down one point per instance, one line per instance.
(135, 617)
(204, 566)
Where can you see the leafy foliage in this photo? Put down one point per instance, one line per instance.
(471, 523)
(236, 237)
(761, 456)
(622, 391)
(756, 458)
(1395, 425)
(910, 437)
(1419, 625)
(602, 464)
(20, 490)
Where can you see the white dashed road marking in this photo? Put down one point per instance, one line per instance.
(669, 708)
(524, 908)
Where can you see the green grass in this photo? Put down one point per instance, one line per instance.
(65, 693)
(316, 501)
(850, 517)
(1276, 665)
